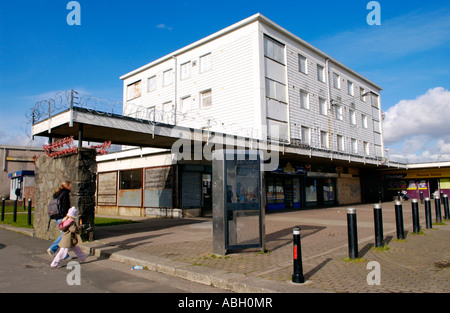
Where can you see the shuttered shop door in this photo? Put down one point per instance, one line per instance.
(191, 189)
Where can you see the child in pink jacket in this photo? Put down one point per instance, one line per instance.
(70, 238)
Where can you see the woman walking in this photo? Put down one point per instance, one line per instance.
(63, 194)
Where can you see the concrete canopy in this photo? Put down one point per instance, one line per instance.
(95, 126)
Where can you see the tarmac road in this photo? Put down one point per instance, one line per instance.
(25, 268)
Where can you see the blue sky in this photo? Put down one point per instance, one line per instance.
(407, 54)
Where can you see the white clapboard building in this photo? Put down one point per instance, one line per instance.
(258, 80)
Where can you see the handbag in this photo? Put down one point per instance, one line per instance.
(74, 239)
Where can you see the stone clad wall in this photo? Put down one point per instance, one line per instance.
(81, 170)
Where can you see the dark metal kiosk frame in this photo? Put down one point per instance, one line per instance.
(238, 204)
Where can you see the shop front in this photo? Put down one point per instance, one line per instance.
(417, 183)
(293, 186)
(285, 187)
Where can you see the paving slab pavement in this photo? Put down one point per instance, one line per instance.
(183, 247)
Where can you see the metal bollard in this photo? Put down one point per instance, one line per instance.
(378, 219)
(3, 209)
(428, 212)
(415, 215)
(421, 197)
(15, 211)
(29, 211)
(437, 205)
(297, 277)
(352, 233)
(399, 220)
(445, 202)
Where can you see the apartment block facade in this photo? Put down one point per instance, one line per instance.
(254, 75)
(257, 80)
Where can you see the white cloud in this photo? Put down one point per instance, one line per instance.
(20, 139)
(164, 26)
(419, 129)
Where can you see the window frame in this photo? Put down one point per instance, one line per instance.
(320, 73)
(300, 69)
(350, 88)
(203, 98)
(165, 82)
(324, 140)
(336, 80)
(303, 105)
(277, 91)
(323, 106)
(354, 145)
(149, 84)
(270, 53)
(339, 110)
(208, 58)
(352, 114)
(185, 70)
(364, 121)
(361, 92)
(306, 131)
(340, 143)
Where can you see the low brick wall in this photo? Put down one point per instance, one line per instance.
(81, 170)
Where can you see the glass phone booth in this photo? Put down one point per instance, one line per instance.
(238, 208)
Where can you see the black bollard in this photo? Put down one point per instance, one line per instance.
(399, 220)
(437, 205)
(297, 277)
(421, 197)
(3, 209)
(29, 211)
(415, 215)
(352, 234)
(15, 211)
(378, 219)
(445, 202)
(428, 212)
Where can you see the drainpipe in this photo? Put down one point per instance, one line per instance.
(328, 83)
(329, 106)
(175, 92)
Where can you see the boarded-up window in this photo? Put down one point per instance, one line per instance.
(134, 90)
(107, 190)
(158, 187)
